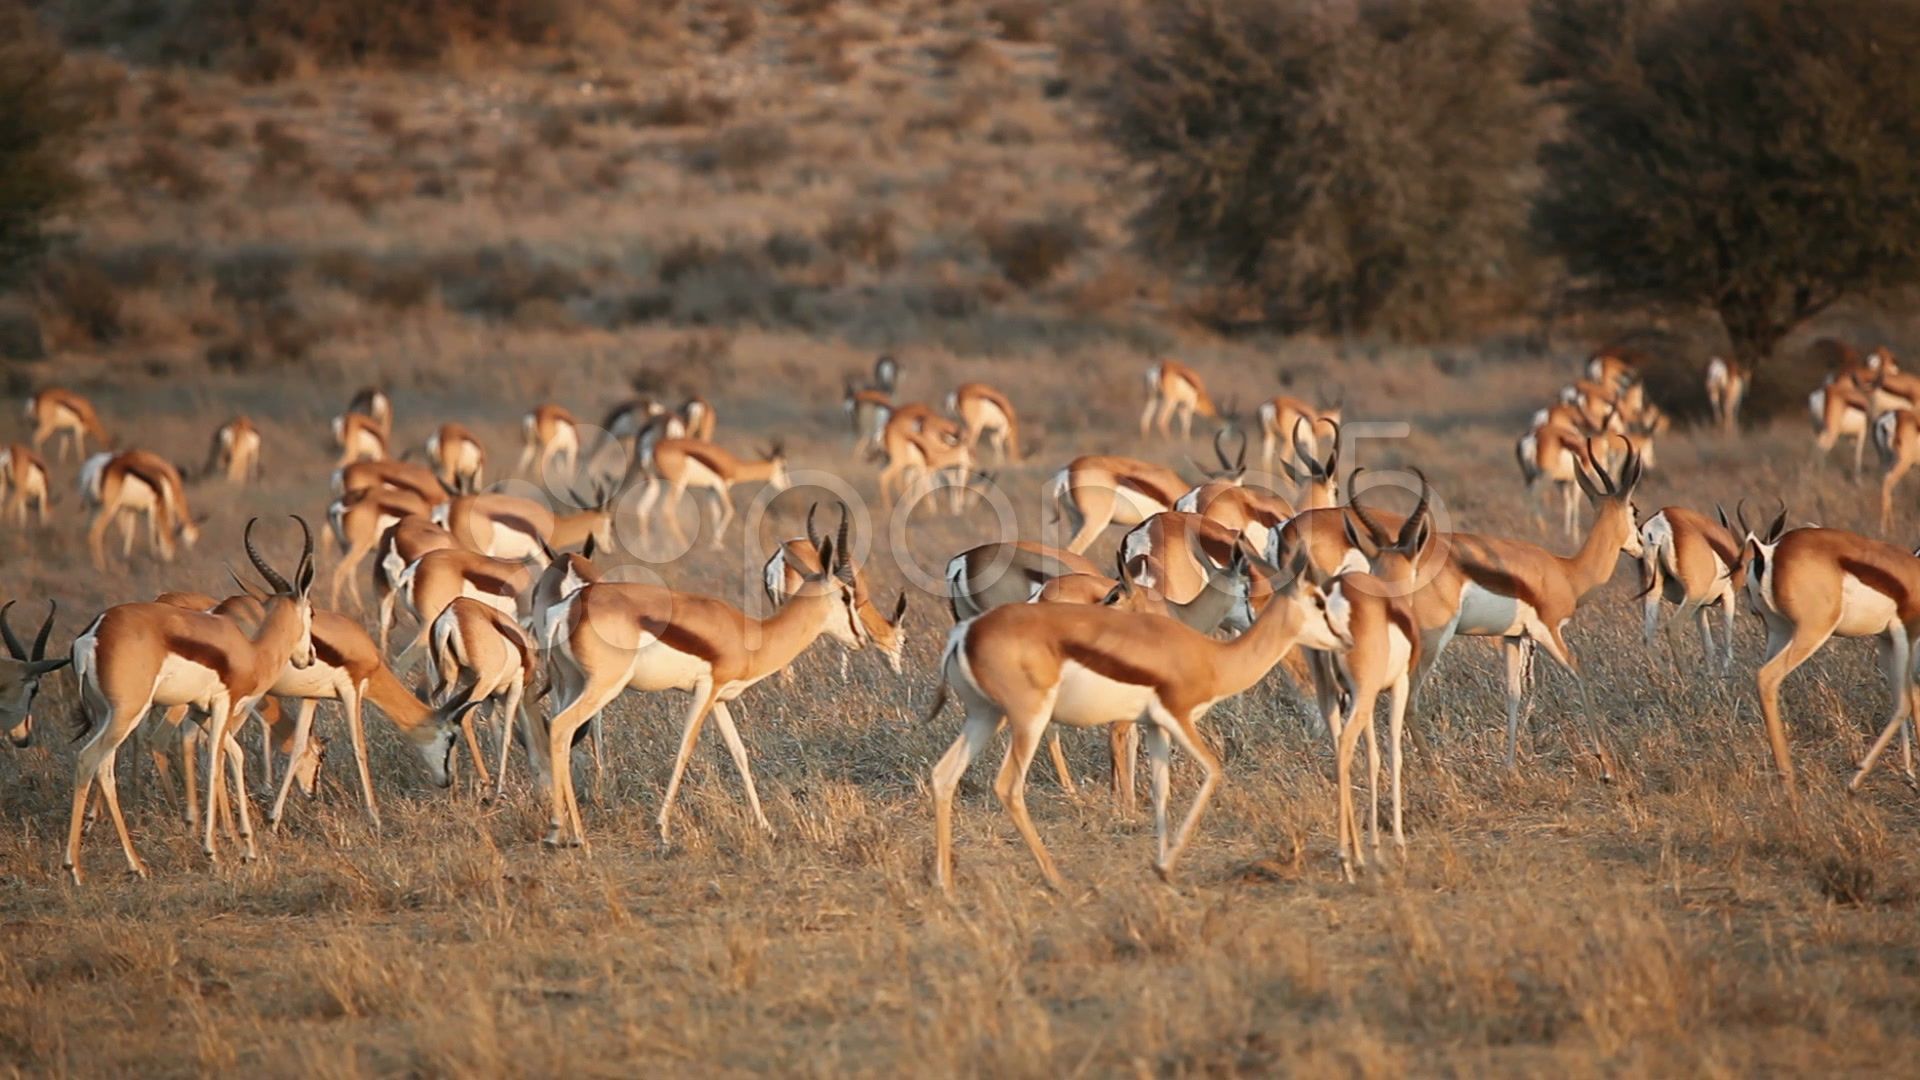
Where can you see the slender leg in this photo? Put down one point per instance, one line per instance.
(981, 723)
(1060, 769)
(1514, 651)
(1123, 746)
(1704, 621)
(564, 814)
(357, 732)
(1896, 660)
(302, 731)
(1011, 785)
(703, 699)
(1726, 633)
(1396, 724)
(480, 778)
(1346, 840)
(1556, 649)
(724, 720)
(1159, 771)
(1184, 736)
(99, 749)
(1806, 640)
(505, 716)
(1146, 414)
(1650, 604)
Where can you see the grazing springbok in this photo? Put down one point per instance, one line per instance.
(400, 544)
(985, 577)
(700, 419)
(359, 439)
(356, 522)
(1811, 585)
(682, 464)
(1098, 490)
(1174, 391)
(1692, 561)
(917, 461)
(1840, 407)
(795, 560)
(510, 527)
(1896, 435)
(23, 484)
(1025, 666)
(611, 636)
(57, 411)
(867, 413)
(122, 486)
(400, 475)
(986, 414)
(1558, 456)
(481, 657)
(373, 403)
(549, 436)
(1280, 419)
(431, 582)
(235, 452)
(1727, 382)
(135, 656)
(20, 675)
(458, 458)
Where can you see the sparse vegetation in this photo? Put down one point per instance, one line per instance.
(38, 124)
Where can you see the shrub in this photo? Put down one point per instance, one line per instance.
(864, 236)
(1018, 20)
(38, 125)
(744, 150)
(1029, 253)
(1362, 166)
(81, 302)
(1737, 156)
(167, 167)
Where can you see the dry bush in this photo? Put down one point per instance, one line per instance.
(281, 156)
(1031, 252)
(384, 119)
(1018, 20)
(496, 282)
(682, 106)
(79, 303)
(972, 57)
(744, 151)
(739, 22)
(166, 167)
(866, 236)
(38, 125)
(555, 129)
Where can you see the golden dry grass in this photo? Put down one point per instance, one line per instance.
(1682, 920)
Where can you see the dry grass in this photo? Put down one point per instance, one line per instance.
(751, 231)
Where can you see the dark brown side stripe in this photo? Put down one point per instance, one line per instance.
(497, 586)
(680, 639)
(706, 459)
(1877, 579)
(516, 523)
(1500, 582)
(328, 653)
(203, 654)
(1106, 664)
(1147, 488)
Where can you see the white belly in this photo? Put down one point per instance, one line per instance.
(658, 667)
(506, 543)
(184, 682)
(1864, 611)
(1486, 614)
(317, 681)
(136, 495)
(503, 604)
(1132, 507)
(1087, 698)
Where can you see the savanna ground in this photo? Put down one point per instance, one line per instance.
(752, 223)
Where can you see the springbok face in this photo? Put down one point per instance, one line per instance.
(295, 593)
(836, 579)
(21, 674)
(1325, 625)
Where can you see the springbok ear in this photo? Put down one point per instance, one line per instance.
(1114, 596)
(586, 549)
(1353, 535)
(899, 609)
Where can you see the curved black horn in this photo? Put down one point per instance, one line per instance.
(253, 553)
(1220, 449)
(1778, 527)
(1410, 528)
(304, 575)
(813, 534)
(1374, 532)
(1740, 515)
(18, 651)
(842, 557)
(46, 631)
(1333, 455)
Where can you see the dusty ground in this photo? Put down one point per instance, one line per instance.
(447, 235)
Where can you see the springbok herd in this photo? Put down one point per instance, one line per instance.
(1214, 586)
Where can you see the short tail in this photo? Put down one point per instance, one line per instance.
(1056, 490)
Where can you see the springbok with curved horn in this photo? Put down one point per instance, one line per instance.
(982, 578)
(612, 636)
(1727, 382)
(135, 656)
(1559, 456)
(21, 673)
(987, 415)
(1026, 666)
(795, 560)
(679, 465)
(1174, 391)
(23, 484)
(550, 436)
(1250, 511)
(1317, 477)
(458, 458)
(57, 411)
(235, 451)
(1692, 561)
(131, 483)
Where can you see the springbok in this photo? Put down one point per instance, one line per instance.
(1174, 391)
(431, 582)
(612, 636)
(400, 544)
(57, 411)
(482, 657)
(373, 403)
(867, 413)
(1096, 491)
(458, 458)
(1025, 666)
(550, 436)
(135, 656)
(235, 451)
(700, 419)
(359, 439)
(1280, 419)
(356, 522)
(985, 577)
(1559, 456)
(682, 464)
(1896, 435)
(510, 527)
(795, 560)
(1612, 369)
(20, 675)
(1690, 560)
(403, 476)
(1840, 407)
(1726, 388)
(986, 414)
(23, 484)
(130, 483)
(1811, 585)
(918, 461)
